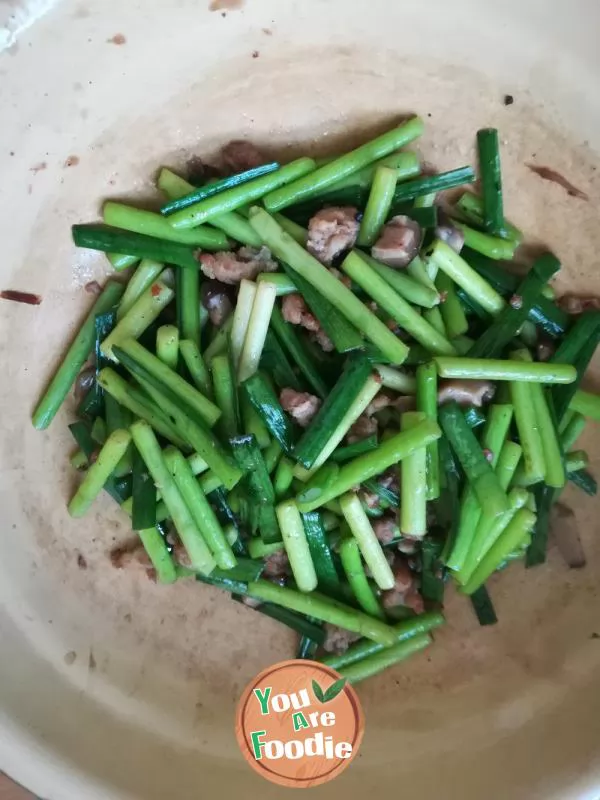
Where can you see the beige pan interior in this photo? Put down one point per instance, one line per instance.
(112, 687)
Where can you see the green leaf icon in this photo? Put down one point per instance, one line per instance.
(318, 692)
(334, 690)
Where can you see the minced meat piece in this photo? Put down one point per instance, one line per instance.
(331, 231)
(302, 406)
(231, 268)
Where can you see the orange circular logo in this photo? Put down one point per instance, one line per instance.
(299, 723)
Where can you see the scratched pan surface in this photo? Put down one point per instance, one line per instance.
(112, 687)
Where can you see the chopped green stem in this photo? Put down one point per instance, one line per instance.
(546, 421)
(483, 606)
(544, 313)
(444, 257)
(143, 497)
(405, 164)
(193, 195)
(418, 187)
(331, 422)
(158, 552)
(496, 369)
(284, 477)
(142, 363)
(256, 332)
(490, 246)
(511, 537)
(405, 630)
(327, 176)
(572, 431)
(208, 526)
(433, 316)
(323, 437)
(250, 459)
(324, 608)
(342, 333)
(297, 232)
(471, 207)
(149, 448)
(577, 348)
(453, 315)
(407, 287)
(515, 315)
(584, 481)
(417, 270)
(296, 546)
(342, 454)
(355, 573)
(491, 179)
(138, 220)
(413, 483)
(143, 277)
(294, 345)
(369, 545)
(192, 358)
(374, 664)
(266, 403)
(167, 345)
(587, 404)
(99, 472)
(427, 404)
(477, 468)
(188, 304)
(473, 512)
(99, 237)
(195, 435)
(378, 205)
(241, 319)
(74, 359)
(121, 262)
(283, 283)
(220, 340)
(395, 305)
(367, 466)
(396, 379)
(139, 404)
(285, 248)
(139, 317)
(234, 198)
(318, 544)
(226, 396)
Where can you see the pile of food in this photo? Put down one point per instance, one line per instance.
(323, 390)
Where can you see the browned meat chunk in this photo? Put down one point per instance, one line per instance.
(405, 591)
(466, 393)
(295, 311)
(386, 528)
(388, 400)
(276, 565)
(302, 406)
(399, 242)
(337, 640)
(363, 428)
(239, 156)
(216, 301)
(231, 268)
(576, 304)
(324, 342)
(453, 237)
(331, 231)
